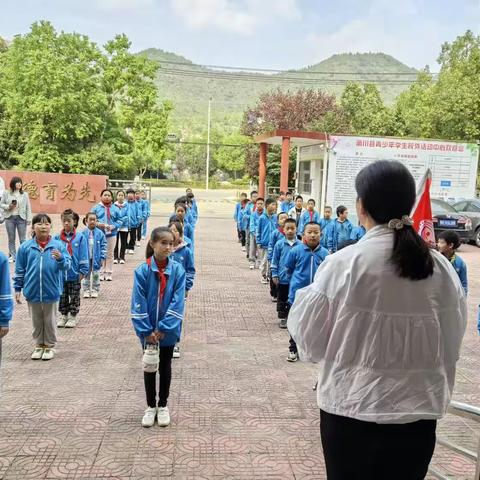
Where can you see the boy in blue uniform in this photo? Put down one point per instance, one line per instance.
(6, 299)
(142, 209)
(238, 218)
(266, 225)
(276, 235)
(191, 198)
(324, 223)
(288, 203)
(358, 233)
(339, 230)
(148, 212)
(301, 265)
(448, 244)
(280, 275)
(251, 207)
(310, 215)
(256, 213)
(133, 218)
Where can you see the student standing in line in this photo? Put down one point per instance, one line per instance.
(310, 215)
(297, 211)
(97, 252)
(288, 203)
(77, 247)
(148, 212)
(41, 266)
(158, 302)
(254, 217)
(267, 223)
(277, 234)
(300, 266)
(241, 224)
(134, 216)
(280, 275)
(142, 209)
(108, 216)
(6, 301)
(448, 243)
(324, 223)
(249, 209)
(237, 215)
(180, 213)
(339, 230)
(191, 198)
(122, 231)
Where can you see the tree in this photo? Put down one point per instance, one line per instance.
(230, 158)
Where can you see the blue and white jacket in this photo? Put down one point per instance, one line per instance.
(305, 218)
(115, 217)
(461, 269)
(358, 232)
(80, 264)
(286, 206)
(194, 212)
(274, 238)
(247, 215)
(301, 265)
(143, 209)
(147, 312)
(239, 214)
(324, 223)
(99, 247)
(254, 218)
(184, 256)
(264, 229)
(338, 232)
(38, 274)
(6, 297)
(280, 254)
(133, 214)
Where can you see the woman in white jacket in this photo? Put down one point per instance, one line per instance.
(385, 320)
(17, 212)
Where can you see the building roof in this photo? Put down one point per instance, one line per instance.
(298, 138)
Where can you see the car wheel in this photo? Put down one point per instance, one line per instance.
(477, 237)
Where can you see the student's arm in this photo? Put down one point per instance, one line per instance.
(329, 232)
(271, 246)
(258, 231)
(300, 225)
(173, 318)
(353, 235)
(20, 268)
(83, 256)
(65, 261)
(276, 259)
(462, 273)
(290, 263)
(103, 246)
(189, 270)
(6, 297)
(139, 305)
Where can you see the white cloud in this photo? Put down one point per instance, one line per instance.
(234, 16)
(123, 5)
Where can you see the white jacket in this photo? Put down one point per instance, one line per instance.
(24, 207)
(387, 346)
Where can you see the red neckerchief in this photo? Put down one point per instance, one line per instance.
(280, 229)
(162, 278)
(107, 208)
(65, 239)
(42, 245)
(311, 212)
(243, 203)
(255, 206)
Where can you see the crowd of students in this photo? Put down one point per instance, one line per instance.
(287, 240)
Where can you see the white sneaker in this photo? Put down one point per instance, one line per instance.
(148, 419)
(292, 357)
(108, 277)
(144, 237)
(244, 249)
(94, 294)
(252, 266)
(11, 260)
(61, 322)
(176, 351)
(101, 277)
(37, 353)
(265, 281)
(48, 354)
(131, 252)
(71, 322)
(86, 294)
(137, 244)
(122, 262)
(115, 261)
(163, 416)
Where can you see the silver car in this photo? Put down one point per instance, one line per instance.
(471, 208)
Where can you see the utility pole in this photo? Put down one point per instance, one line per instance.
(207, 173)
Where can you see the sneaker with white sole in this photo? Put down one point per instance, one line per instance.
(163, 416)
(94, 294)
(176, 351)
(86, 294)
(131, 252)
(62, 321)
(37, 353)
(265, 281)
(292, 357)
(148, 419)
(122, 262)
(137, 244)
(115, 262)
(282, 323)
(48, 354)
(244, 249)
(108, 277)
(251, 266)
(11, 260)
(71, 322)
(101, 277)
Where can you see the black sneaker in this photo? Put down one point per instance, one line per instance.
(282, 323)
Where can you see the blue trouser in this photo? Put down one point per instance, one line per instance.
(144, 228)
(13, 224)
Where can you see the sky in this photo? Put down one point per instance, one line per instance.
(277, 34)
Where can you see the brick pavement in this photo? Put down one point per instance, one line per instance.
(239, 410)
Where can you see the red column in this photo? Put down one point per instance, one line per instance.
(262, 170)
(284, 164)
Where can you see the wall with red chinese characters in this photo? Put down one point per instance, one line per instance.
(55, 192)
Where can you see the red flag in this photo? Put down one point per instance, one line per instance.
(422, 211)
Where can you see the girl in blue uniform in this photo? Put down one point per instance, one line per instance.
(158, 302)
(448, 244)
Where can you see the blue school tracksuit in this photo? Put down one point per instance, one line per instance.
(184, 257)
(80, 264)
(115, 217)
(148, 314)
(147, 213)
(264, 229)
(254, 218)
(324, 223)
(358, 232)
(279, 257)
(99, 247)
(337, 233)
(461, 269)
(301, 265)
(6, 296)
(274, 238)
(132, 216)
(38, 274)
(286, 206)
(247, 215)
(194, 212)
(305, 218)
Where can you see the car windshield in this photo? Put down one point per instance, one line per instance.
(442, 208)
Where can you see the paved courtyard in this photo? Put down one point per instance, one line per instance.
(239, 410)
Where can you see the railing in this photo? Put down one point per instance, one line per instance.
(472, 413)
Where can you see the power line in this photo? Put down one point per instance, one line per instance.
(243, 145)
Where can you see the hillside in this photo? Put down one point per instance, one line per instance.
(189, 86)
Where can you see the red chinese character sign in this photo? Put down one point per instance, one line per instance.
(422, 212)
(54, 192)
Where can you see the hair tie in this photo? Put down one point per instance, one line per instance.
(397, 224)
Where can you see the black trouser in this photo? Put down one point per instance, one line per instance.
(239, 233)
(139, 232)
(282, 300)
(273, 287)
(122, 239)
(70, 299)
(132, 237)
(243, 237)
(357, 450)
(165, 372)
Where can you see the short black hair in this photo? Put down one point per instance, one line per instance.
(130, 190)
(283, 213)
(451, 238)
(297, 197)
(253, 192)
(291, 220)
(311, 200)
(243, 194)
(312, 223)
(260, 199)
(269, 201)
(341, 209)
(327, 206)
(281, 193)
(288, 193)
